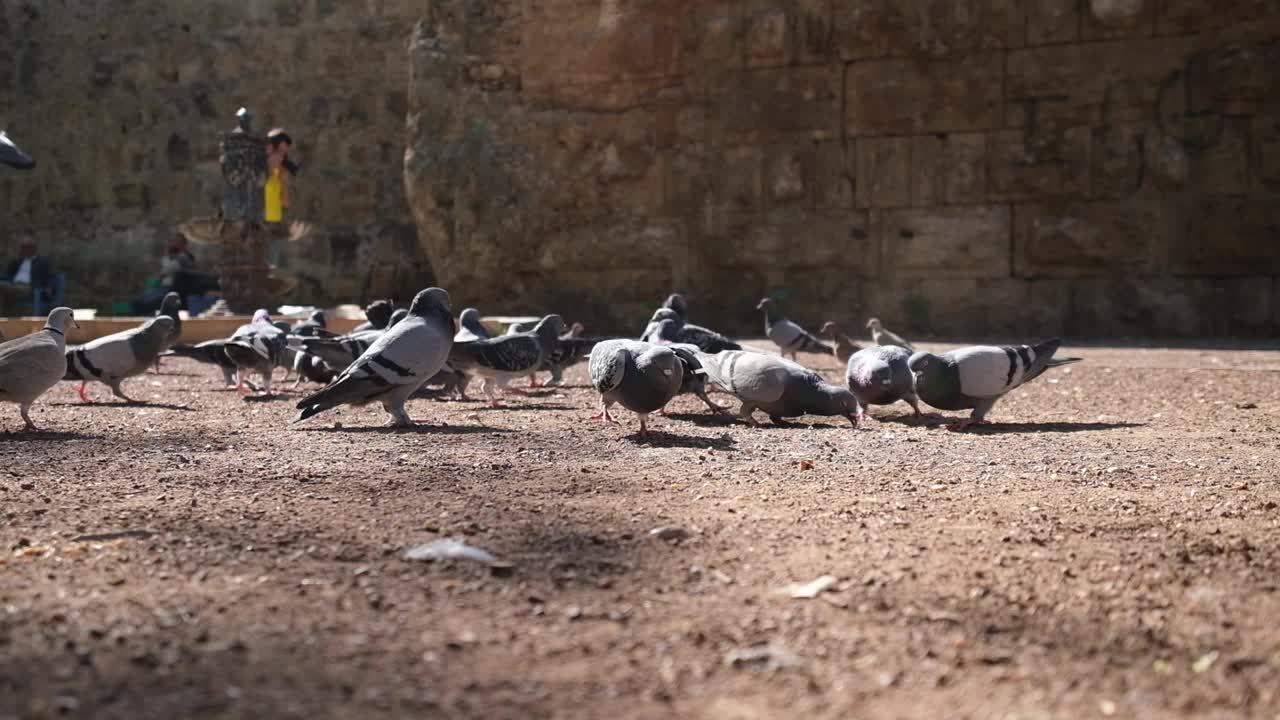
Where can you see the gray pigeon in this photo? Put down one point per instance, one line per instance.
(169, 308)
(31, 364)
(678, 303)
(571, 348)
(314, 326)
(499, 360)
(308, 366)
(256, 347)
(880, 376)
(779, 387)
(845, 346)
(396, 364)
(976, 377)
(112, 359)
(666, 327)
(788, 336)
(12, 155)
(377, 316)
(886, 338)
(471, 327)
(337, 352)
(397, 316)
(640, 376)
(694, 380)
(210, 352)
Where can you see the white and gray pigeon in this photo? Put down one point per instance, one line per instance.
(777, 386)
(257, 347)
(396, 364)
(169, 307)
(845, 346)
(788, 336)
(639, 376)
(976, 377)
(114, 358)
(666, 327)
(470, 326)
(499, 360)
(880, 376)
(886, 338)
(31, 364)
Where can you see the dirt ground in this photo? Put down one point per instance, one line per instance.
(1108, 548)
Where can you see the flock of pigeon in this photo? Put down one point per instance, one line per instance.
(424, 351)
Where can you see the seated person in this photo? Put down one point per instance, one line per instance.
(31, 271)
(177, 274)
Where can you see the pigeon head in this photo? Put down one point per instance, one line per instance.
(318, 318)
(676, 301)
(873, 324)
(576, 329)
(469, 316)
(60, 318)
(923, 365)
(668, 330)
(172, 301)
(261, 315)
(397, 316)
(551, 326)
(829, 329)
(433, 298)
(765, 303)
(161, 325)
(664, 314)
(379, 313)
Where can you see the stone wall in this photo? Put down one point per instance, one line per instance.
(122, 103)
(959, 168)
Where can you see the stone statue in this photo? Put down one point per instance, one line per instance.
(243, 157)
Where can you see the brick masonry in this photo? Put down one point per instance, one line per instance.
(968, 168)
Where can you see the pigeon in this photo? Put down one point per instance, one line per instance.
(788, 336)
(114, 358)
(397, 316)
(500, 359)
(256, 346)
(880, 376)
(210, 352)
(883, 337)
(640, 376)
(450, 382)
(471, 327)
(678, 303)
(779, 387)
(845, 347)
(666, 327)
(563, 354)
(31, 364)
(308, 366)
(315, 325)
(12, 155)
(169, 308)
(396, 364)
(694, 381)
(976, 377)
(377, 314)
(338, 352)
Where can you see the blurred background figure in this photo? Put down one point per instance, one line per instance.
(178, 274)
(28, 282)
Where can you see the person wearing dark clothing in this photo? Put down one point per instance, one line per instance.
(30, 269)
(177, 274)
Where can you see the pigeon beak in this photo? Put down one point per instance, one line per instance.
(75, 324)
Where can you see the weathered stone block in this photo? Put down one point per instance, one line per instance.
(969, 241)
(900, 96)
(1237, 235)
(1105, 19)
(949, 169)
(1052, 21)
(883, 172)
(1222, 166)
(787, 239)
(876, 28)
(834, 168)
(813, 31)
(1266, 153)
(769, 36)
(712, 33)
(1039, 164)
(789, 175)
(1083, 237)
(1091, 83)
(1191, 16)
(1234, 305)
(777, 102)
(1135, 306)
(1117, 156)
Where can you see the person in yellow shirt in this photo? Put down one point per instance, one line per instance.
(279, 167)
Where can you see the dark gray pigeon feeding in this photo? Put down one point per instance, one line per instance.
(788, 336)
(12, 155)
(694, 379)
(31, 364)
(666, 327)
(337, 352)
(256, 347)
(678, 303)
(499, 360)
(779, 387)
(315, 325)
(640, 376)
(114, 358)
(880, 376)
(845, 346)
(976, 377)
(396, 364)
(470, 328)
(377, 316)
(568, 352)
(209, 352)
(881, 336)
(170, 307)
